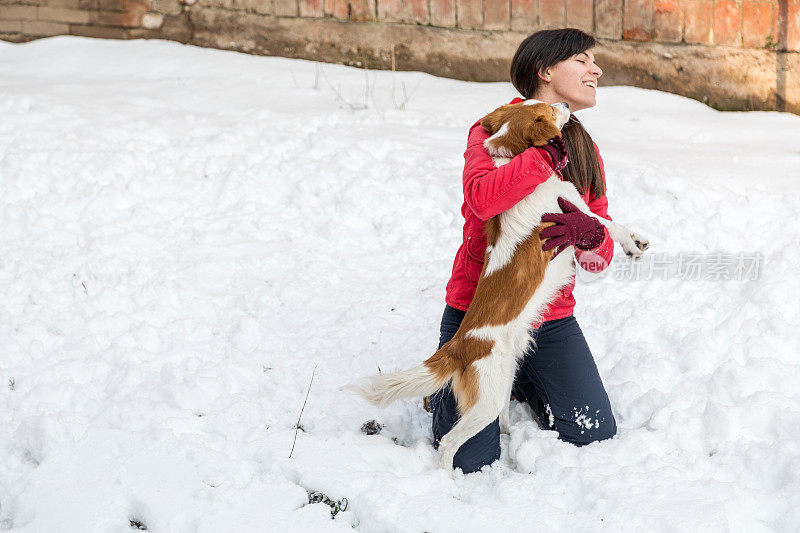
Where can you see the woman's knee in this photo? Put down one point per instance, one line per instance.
(481, 450)
(605, 429)
(586, 431)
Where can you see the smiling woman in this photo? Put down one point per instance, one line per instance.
(573, 81)
(558, 66)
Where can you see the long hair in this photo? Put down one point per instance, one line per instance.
(538, 52)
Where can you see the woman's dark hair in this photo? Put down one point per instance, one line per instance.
(538, 52)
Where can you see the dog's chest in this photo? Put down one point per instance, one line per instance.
(521, 219)
(518, 222)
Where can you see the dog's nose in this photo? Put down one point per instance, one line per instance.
(562, 105)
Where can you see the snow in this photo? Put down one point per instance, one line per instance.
(188, 233)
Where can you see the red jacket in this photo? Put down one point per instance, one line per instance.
(488, 191)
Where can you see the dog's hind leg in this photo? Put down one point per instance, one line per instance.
(494, 386)
(505, 420)
(481, 415)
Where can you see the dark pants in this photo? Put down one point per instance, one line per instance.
(559, 380)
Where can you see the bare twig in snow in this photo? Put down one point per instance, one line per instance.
(366, 77)
(401, 104)
(294, 79)
(317, 70)
(297, 426)
(338, 93)
(406, 95)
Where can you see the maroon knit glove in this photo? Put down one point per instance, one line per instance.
(557, 151)
(572, 227)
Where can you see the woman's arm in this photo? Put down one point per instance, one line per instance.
(598, 206)
(489, 190)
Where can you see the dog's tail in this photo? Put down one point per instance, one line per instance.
(384, 389)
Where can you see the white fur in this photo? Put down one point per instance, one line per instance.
(501, 151)
(502, 131)
(384, 389)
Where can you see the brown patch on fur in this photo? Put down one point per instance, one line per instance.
(466, 389)
(454, 360)
(502, 296)
(426, 404)
(492, 230)
(528, 125)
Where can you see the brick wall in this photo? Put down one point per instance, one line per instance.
(738, 23)
(23, 20)
(452, 37)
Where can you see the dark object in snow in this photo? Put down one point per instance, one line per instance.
(373, 427)
(336, 506)
(134, 523)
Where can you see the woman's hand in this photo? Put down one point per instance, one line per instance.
(557, 151)
(572, 227)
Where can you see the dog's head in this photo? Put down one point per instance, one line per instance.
(516, 127)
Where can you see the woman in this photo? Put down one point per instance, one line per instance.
(558, 378)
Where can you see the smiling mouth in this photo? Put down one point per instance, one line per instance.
(592, 84)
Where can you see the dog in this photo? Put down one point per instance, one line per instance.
(517, 282)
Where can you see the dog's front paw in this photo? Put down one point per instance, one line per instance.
(641, 242)
(635, 246)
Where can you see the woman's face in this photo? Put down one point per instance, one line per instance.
(573, 81)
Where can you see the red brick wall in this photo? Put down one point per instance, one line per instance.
(739, 23)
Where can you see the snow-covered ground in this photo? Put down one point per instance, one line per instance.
(188, 233)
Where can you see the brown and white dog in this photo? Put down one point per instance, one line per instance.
(516, 284)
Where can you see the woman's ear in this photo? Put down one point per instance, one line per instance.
(544, 74)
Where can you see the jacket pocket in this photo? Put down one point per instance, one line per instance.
(476, 249)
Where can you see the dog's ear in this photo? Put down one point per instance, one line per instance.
(538, 132)
(494, 120)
